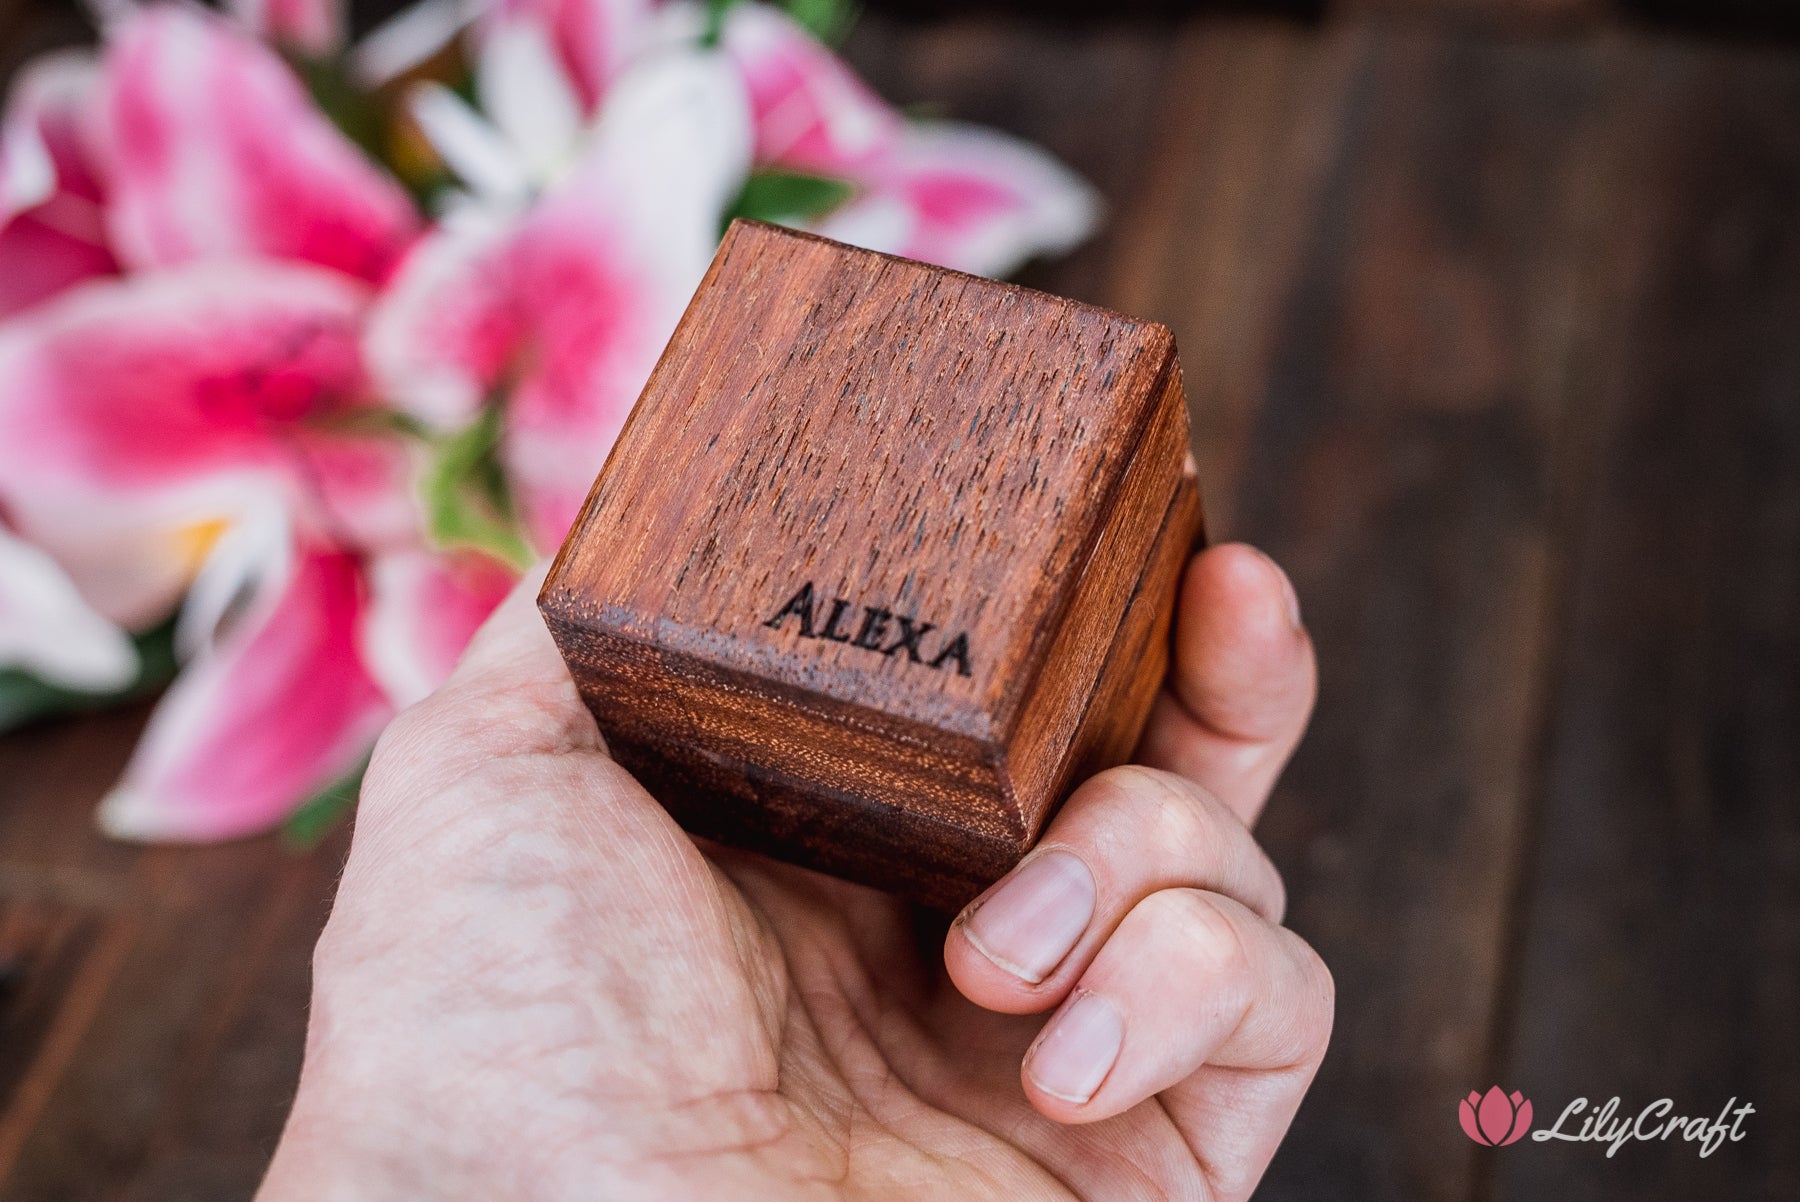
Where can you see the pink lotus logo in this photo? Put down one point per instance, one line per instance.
(1494, 1118)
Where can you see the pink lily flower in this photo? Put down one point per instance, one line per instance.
(952, 194)
(191, 417)
(208, 293)
(52, 228)
(563, 309)
(276, 708)
(140, 419)
(217, 152)
(813, 113)
(966, 197)
(203, 429)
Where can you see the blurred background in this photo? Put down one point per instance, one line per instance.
(1490, 316)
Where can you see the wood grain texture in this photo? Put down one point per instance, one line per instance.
(1408, 459)
(1659, 956)
(865, 545)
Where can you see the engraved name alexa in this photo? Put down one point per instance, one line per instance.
(879, 630)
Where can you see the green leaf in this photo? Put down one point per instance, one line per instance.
(24, 698)
(367, 118)
(787, 198)
(827, 20)
(320, 814)
(356, 113)
(715, 21)
(467, 504)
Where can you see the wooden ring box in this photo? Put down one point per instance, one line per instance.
(883, 562)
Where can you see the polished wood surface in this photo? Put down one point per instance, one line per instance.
(844, 590)
(1492, 341)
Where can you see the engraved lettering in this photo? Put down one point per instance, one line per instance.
(831, 630)
(958, 650)
(873, 632)
(909, 638)
(874, 626)
(800, 603)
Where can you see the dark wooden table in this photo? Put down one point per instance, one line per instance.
(1495, 341)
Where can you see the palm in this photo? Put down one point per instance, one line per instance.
(578, 993)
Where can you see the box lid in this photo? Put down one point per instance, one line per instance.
(871, 491)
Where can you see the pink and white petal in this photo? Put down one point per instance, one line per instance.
(52, 228)
(47, 629)
(138, 415)
(276, 710)
(446, 329)
(813, 114)
(48, 142)
(424, 607)
(593, 38)
(135, 564)
(134, 384)
(669, 154)
(38, 260)
(217, 152)
(606, 264)
(968, 198)
(313, 27)
(27, 172)
(363, 486)
(601, 331)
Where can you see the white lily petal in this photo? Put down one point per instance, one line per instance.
(880, 223)
(472, 148)
(676, 25)
(528, 95)
(27, 173)
(407, 39)
(680, 123)
(47, 628)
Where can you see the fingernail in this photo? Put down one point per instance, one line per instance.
(1287, 592)
(1293, 602)
(1076, 1051)
(1037, 914)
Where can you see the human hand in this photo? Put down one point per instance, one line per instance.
(534, 985)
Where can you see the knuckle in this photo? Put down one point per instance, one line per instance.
(1164, 810)
(1207, 930)
(1194, 835)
